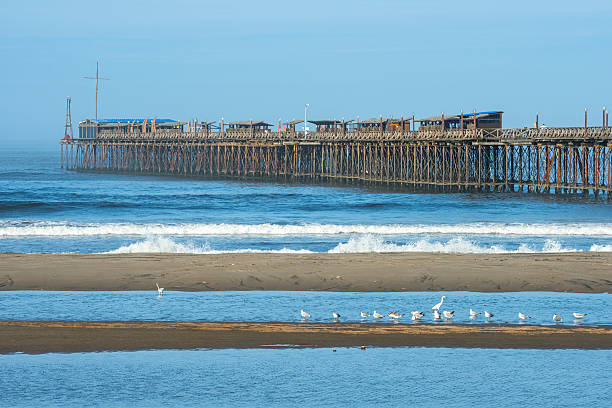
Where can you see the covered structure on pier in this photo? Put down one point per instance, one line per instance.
(89, 128)
(384, 124)
(249, 124)
(330, 124)
(482, 120)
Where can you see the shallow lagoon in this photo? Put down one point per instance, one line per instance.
(264, 306)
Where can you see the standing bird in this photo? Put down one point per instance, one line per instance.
(448, 315)
(304, 314)
(336, 315)
(557, 318)
(437, 315)
(488, 315)
(417, 315)
(377, 315)
(395, 315)
(160, 291)
(364, 315)
(439, 305)
(579, 315)
(473, 314)
(523, 316)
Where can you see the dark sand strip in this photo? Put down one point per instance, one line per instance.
(85, 336)
(567, 272)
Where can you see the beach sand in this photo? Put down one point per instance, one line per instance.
(562, 272)
(69, 336)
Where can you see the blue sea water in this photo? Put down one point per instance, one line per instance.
(44, 208)
(385, 377)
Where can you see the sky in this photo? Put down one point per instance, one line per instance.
(263, 60)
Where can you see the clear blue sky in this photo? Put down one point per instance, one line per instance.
(265, 59)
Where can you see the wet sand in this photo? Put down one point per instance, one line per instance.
(83, 336)
(560, 272)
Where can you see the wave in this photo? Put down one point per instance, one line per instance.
(167, 245)
(361, 244)
(67, 229)
(370, 243)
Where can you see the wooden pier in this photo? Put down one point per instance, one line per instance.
(560, 160)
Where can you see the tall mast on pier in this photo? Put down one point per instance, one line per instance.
(68, 127)
(97, 78)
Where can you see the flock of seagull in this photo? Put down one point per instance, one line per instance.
(437, 315)
(418, 315)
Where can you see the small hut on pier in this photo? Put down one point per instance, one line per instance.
(90, 128)
(330, 125)
(483, 120)
(249, 124)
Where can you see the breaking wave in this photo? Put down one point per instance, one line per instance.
(66, 229)
(167, 245)
(359, 244)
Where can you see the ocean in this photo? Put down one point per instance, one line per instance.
(46, 209)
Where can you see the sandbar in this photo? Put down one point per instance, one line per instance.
(365, 272)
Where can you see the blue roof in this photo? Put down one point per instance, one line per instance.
(132, 120)
(482, 113)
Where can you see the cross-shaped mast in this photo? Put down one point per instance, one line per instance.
(97, 78)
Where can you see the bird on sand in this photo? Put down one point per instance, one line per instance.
(439, 305)
(377, 315)
(473, 314)
(523, 316)
(579, 315)
(488, 315)
(160, 291)
(336, 315)
(557, 318)
(448, 315)
(304, 314)
(364, 315)
(437, 315)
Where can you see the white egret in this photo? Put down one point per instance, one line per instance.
(160, 291)
(439, 305)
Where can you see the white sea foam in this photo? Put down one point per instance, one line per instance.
(10, 229)
(357, 244)
(167, 245)
(370, 243)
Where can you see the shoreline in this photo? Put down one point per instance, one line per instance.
(361, 272)
(34, 337)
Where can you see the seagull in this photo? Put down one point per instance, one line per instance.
(439, 305)
(160, 291)
(488, 315)
(336, 315)
(377, 315)
(365, 315)
(304, 314)
(579, 315)
(523, 316)
(448, 315)
(557, 318)
(437, 315)
(473, 314)
(395, 315)
(417, 315)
